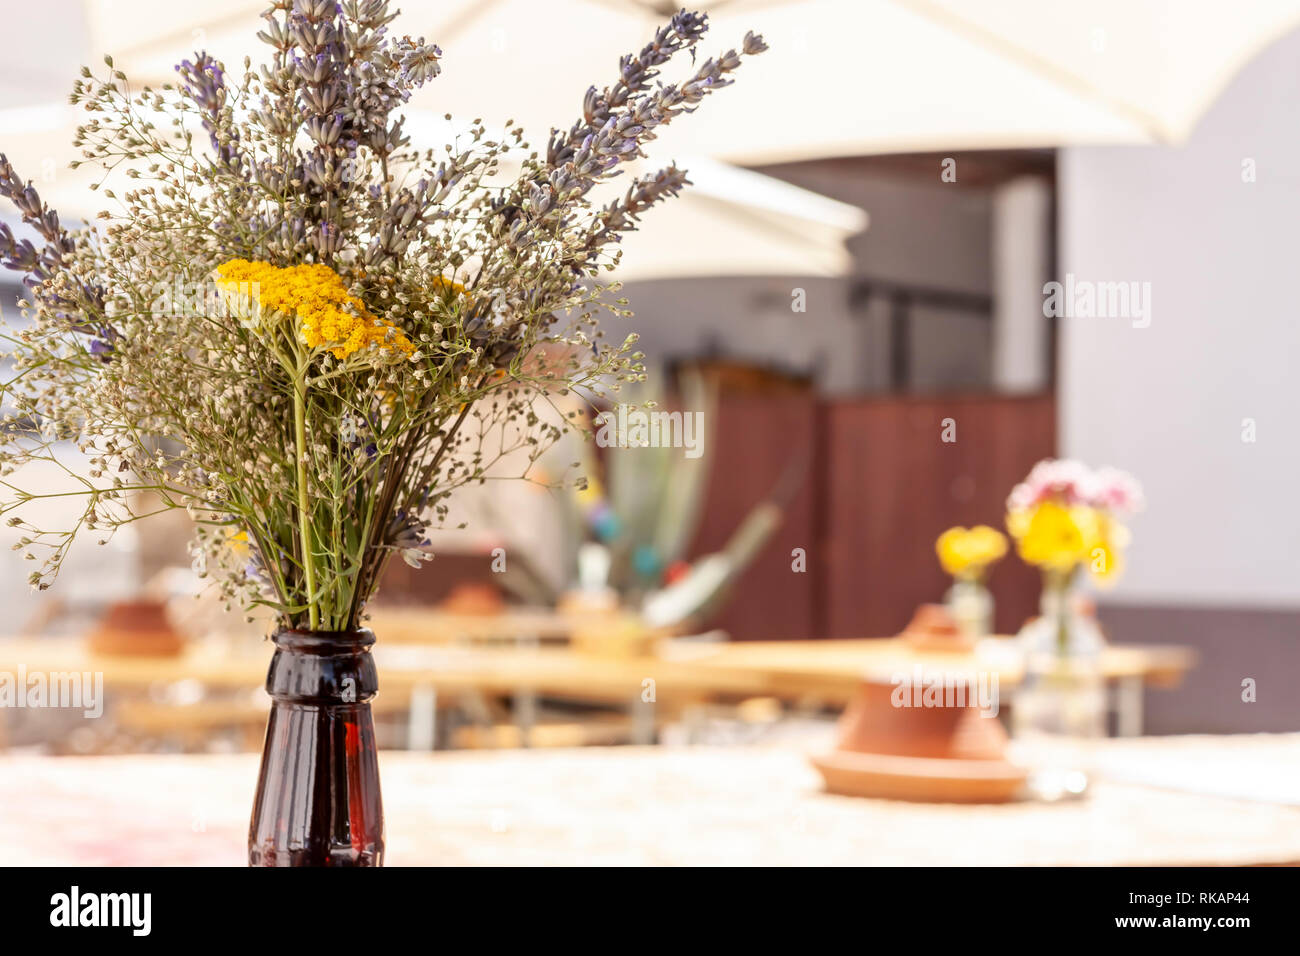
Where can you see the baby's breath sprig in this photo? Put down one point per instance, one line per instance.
(302, 330)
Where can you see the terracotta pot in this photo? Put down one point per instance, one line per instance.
(135, 629)
(932, 628)
(937, 754)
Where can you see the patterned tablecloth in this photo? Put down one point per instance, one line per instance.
(671, 806)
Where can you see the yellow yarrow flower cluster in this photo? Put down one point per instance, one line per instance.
(329, 317)
(968, 552)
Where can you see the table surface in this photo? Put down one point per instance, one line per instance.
(679, 806)
(829, 670)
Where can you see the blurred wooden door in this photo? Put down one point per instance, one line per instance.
(758, 441)
(881, 486)
(893, 484)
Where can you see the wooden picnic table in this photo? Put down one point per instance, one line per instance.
(674, 806)
(787, 669)
(834, 667)
(495, 670)
(677, 673)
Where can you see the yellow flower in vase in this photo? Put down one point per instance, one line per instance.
(1063, 516)
(968, 553)
(1052, 535)
(1059, 538)
(1063, 519)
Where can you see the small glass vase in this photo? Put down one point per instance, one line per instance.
(1059, 709)
(971, 606)
(318, 800)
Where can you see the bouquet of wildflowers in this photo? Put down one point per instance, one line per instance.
(1065, 516)
(303, 330)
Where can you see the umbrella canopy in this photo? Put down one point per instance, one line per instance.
(843, 77)
(730, 221)
(735, 222)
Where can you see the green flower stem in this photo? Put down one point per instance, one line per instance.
(304, 513)
(1058, 584)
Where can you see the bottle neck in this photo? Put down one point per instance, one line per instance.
(324, 668)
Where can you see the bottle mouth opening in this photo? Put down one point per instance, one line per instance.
(324, 642)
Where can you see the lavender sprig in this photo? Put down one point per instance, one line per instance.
(204, 82)
(683, 31)
(545, 196)
(623, 215)
(82, 307)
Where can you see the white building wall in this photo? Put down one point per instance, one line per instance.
(1172, 401)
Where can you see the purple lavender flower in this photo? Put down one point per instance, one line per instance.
(255, 570)
(204, 80)
(40, 265)
(408, 535)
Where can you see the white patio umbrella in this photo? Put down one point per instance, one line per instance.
(728, 222)
(735, 222)
(843, 77)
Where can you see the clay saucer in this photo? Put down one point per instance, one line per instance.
(919, 779)
(943, 754)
